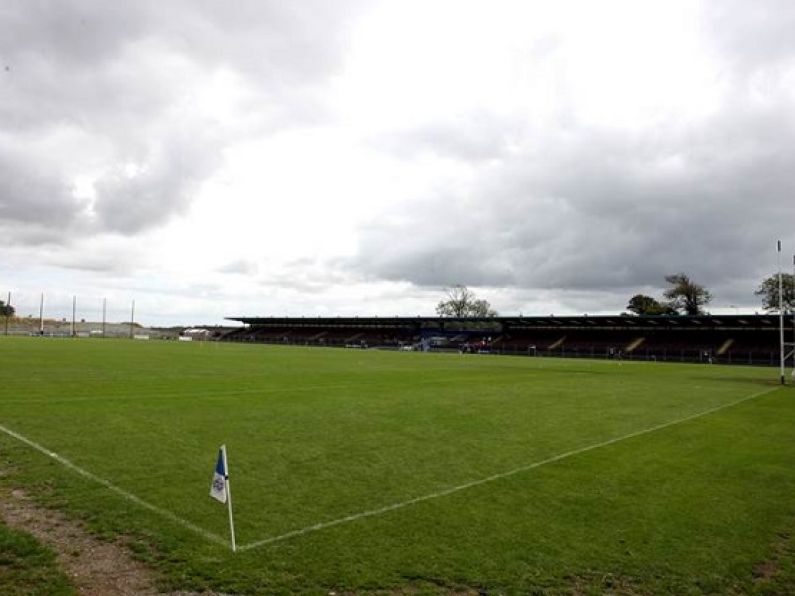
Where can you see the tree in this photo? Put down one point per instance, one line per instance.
(6, 311)
(686, 295)
(641, 304)
(768, 290)
(482, 308)
(461, 302)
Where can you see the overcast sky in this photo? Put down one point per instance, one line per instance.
(213, 159)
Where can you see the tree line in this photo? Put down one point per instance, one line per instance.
(682, 297)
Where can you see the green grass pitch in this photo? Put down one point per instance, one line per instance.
(487, 473)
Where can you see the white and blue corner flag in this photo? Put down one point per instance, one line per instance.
(221, 491)
(220, 477)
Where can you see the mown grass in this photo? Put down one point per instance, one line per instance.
(27, 567)
(316, 435)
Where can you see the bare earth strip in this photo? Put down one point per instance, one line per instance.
(95, 567)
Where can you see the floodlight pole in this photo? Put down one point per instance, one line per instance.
(8, 311)
(132, 319)
(780, 316)
(74, 309)
(41, 315)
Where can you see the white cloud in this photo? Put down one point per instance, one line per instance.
(344, 158)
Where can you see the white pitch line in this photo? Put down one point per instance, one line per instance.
(119, 491)
(493, 477)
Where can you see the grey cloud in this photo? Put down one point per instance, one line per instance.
(429, 265)
(99, 87)
(111, 259)
(754, 35)
(309, 280)
(240, 266)
(609, 212)
(580, 208)
(31, 193)
(31, 234)
(165, 181)
(299, 43)
(76, 31)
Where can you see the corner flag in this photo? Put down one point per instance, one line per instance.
(221, 491)
(220, 478)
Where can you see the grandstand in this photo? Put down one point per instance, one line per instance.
(737, 339)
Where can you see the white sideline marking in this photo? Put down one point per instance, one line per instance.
(119, 491)
(460, 487)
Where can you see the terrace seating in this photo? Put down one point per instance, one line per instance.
(751, 339)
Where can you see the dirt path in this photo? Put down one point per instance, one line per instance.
(96, 568)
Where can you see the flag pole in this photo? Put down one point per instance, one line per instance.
(229, 500)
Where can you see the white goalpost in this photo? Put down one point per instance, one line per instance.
(786, 349)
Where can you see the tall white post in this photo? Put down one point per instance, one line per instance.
(780, 316)
(104, 313)
(8, 312)
(41, 315)
(132, 319)
(74, 309)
